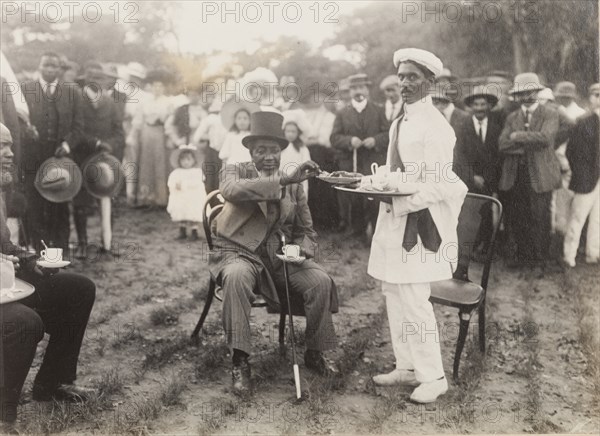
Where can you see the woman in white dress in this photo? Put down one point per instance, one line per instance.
(415, 240)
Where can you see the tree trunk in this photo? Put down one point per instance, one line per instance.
(518, 54)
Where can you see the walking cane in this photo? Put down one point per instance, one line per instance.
(354, 161)
(289, 304)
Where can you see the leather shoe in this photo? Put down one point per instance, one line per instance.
(81, 252)
(396, 377)
(63, 392)
(315, 361)
(241, 378)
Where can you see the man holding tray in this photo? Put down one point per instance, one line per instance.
(415, 241)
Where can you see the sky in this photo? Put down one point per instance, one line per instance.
(239, 26)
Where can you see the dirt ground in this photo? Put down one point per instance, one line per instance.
(540, 373)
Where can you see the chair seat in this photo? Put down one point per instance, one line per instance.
(456, 293)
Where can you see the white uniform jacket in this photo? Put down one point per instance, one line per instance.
(425, 143)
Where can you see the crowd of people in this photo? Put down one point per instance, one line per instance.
(172, 143)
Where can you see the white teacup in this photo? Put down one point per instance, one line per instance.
(380, 170)
(291, 251)
(52, 254)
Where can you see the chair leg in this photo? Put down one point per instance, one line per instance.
(209, 299)
(482, 327)
(282, 332)
(465, 319)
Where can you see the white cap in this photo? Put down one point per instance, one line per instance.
(421, 57)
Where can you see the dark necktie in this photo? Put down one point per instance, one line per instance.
(417, 223)
(480, 132)
(527, 118)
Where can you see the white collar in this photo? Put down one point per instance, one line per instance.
(448, 111)
(45, 84)
(359, 107)
(483, 122)
(421, 105)
(531, 108)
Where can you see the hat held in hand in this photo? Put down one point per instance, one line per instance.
(58, 179)
(103, 175)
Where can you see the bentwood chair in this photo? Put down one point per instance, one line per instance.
(214, 289)
(478, 225)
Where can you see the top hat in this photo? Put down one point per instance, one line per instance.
(481, 91)
(58, 179)
(175, 154)
(565, 89)
(266, 125)
(525, 83)
(12, 288)
(103, 175)
(358, 80)
(232, 106)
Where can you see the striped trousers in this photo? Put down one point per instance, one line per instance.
(310, 287)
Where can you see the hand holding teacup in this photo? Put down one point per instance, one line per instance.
(52, 255)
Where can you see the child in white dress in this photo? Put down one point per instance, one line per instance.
(233, 151)
(187, 193)
(296, 153)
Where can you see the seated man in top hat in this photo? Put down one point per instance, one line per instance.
(261, 204)
(60, 306)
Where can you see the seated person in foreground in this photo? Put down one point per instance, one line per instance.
(261, 204)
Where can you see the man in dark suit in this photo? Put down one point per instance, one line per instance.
(54, 109)
(102, 132)
(360, 134)
(261, 205)
(476, 159)
(583, 152)
(119, 99)
(530, 171)
(60, 306)
(457, 118)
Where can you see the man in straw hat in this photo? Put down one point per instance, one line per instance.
(360, 136)
(530, 171)
(102, 133)
(55, 111)
(261, 203)
(412, 229)
(60, 306)
(476, 155)
(583, 152)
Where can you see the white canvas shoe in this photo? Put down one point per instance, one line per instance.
(396, 377)
(428, 392)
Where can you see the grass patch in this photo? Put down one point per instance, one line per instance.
(165, 351)
(165, 315)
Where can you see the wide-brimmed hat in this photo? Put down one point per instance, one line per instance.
(546, 94)
(266, 125)
(110, 70)
(565, 89)
(526, 82)
(58, 179)
(482, 91)
(103, 175)
(358, 80)
(11, 287)
(136, 69)
(175, 154)
(232, 106)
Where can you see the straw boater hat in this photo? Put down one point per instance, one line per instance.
(358, 80)
(103, 175)
(482, 91)
(389, 81)
(565, 89)
(175, 154)
(232, 106)
(136, 69)
(266, 125)
(525, 83)
(58, 179)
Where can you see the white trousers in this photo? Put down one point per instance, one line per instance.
(413, 328)
(582, 207)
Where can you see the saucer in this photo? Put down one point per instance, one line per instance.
(48, 264)
(298, 259)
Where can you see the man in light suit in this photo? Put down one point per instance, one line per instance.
(393, 101)
(530, 171)
(261, 205)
